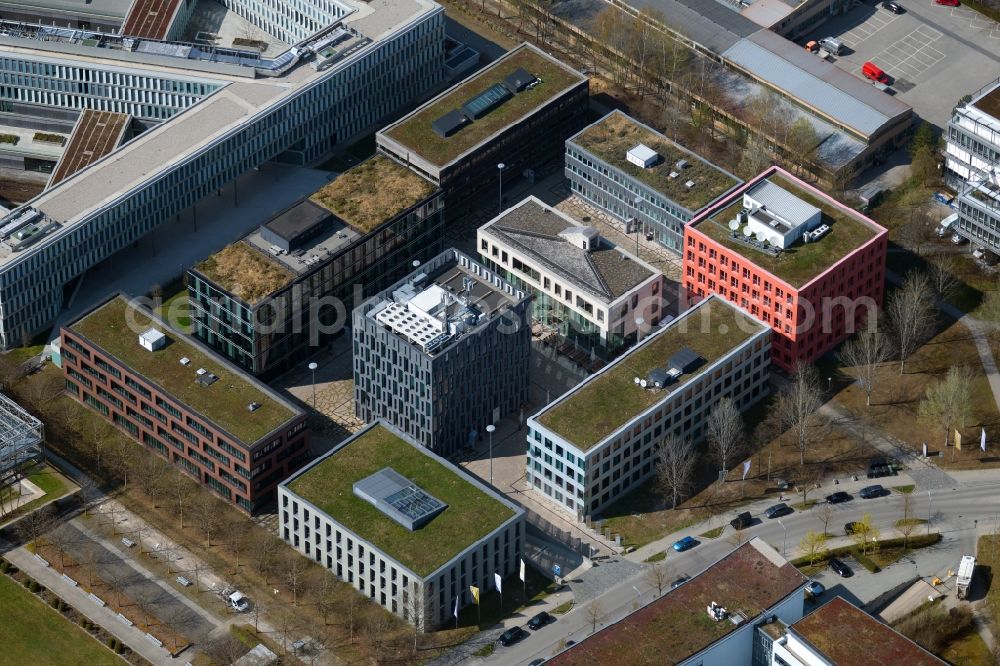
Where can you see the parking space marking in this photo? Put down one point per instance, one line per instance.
(977, 21)
(912, 55)
(867, 28)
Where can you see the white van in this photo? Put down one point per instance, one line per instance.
(832, 44)
(946, 225)
(238, 602)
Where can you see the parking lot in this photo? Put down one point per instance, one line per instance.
(934, 54)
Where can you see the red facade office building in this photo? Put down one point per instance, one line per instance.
(793, 257)
(181, 401)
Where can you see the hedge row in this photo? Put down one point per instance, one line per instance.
(916, 541)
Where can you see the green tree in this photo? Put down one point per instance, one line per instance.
(813, 546)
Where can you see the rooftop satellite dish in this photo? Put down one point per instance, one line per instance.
(734, 224)
(637, 380)
(643, 383)
(761, 237)
(747, 231)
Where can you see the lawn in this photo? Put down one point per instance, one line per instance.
(988, 562)
(177, 311)
(115, 327)
(803, 261)
(415, 132)
(32, 633)
(51, 482)
(471, 513)
(613, 137)
(610, 400)
(897, 396)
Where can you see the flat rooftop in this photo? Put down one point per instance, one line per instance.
(710, 23)
(472, 511)
(848, 636)
(150, 19)
(747, 582)
(606, 401)
(108, 9)
(367, 195)
(96, 134)
(415, 133)
(802, 262)
(606, 271)
(989, 103)
(610, 138)
(115, 326)
(245, 272)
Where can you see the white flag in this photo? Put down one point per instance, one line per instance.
(746, 470)
(455, 612)
(925, 449)
(496, 578)
(982, 441)
(522, 565)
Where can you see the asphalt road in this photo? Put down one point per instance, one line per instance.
(953, 514)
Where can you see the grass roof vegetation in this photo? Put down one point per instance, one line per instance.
(802, 262)
(471, 513)
(610, 399)
(244, 272)
(372, 192)
(612, 137)
(115, 328)
(416, 133)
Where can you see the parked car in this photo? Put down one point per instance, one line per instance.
(685, 544)
(838, 497)
(893, 7)
(680, 581)
(948, 3)
(815, 588)
(742, 521)
(511, 636)
(238, 602)
(539, 621)
(851, 527)
(943, 198)
(778, 510)
(958, 239)
(875, 73)
(537, 662)
(840, 568)
(781, 484)
(870, 492)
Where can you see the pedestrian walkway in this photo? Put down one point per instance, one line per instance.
(103, 616)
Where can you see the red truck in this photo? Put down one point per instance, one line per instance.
(873, 72)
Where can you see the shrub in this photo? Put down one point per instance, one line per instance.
(935, 629)
(9, 138)
(46, 137)
(4, 566)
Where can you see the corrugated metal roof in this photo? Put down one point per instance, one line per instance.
(839, 95)
(782, 202)
(706, 22)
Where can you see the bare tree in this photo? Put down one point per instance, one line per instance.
(294, 566)
(224, 650)
(865, 352)
(100, 437)
(377, 629)
(798, 407)
(657, 576)
(941, 275)
(415, 609)
(208, 516)
(35, 524)
(813, 546)
(181, 493)
(61, 540)
(594, 614)
(350, 609)
(323, 595)
(90, 492)
(123, 459)
(258, 608)
(911, 315)
(675, 465)
(947, 402)
(725, 432)
(263, 547)
(907, 524)
(235, 529)
(825, 514)
(89, 559)
(737, 537)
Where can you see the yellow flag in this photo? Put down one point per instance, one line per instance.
(475, 593)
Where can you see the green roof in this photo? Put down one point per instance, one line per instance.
(224, 402)
(471, 512)
(803, 261)
(610, 138)
(610, 399)
(373, 192)
(415, 131)
(245, 272)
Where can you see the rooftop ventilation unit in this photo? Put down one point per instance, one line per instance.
(642, 156)
(717, 612)
(185, 361)
(816, 233)
(681, 165)
(689, 184)
(253, 406)
(206, 378)
(152, 340)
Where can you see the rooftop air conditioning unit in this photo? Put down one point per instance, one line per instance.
(689, 184)
(253, 406)
(185, 361)
(200, 371)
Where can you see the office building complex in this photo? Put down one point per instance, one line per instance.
(442, 353)
(22, 437)
(710, 620)
(836, 634)
(972, 160)
(640, 176)
(273, 298)
(168, 392)
(214, 113)
(804, 264)
(583, 286)
(404, 527)
(598, 441)
(517, 112)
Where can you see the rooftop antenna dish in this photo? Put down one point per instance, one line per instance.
(747, 231)
(761, 237)
(643, 383)
(637, 380)
(734, 224)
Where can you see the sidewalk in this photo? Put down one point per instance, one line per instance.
(134, 637)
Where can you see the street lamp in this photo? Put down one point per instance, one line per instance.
(829, 383)
(312, 367)
(500, 167)
(784, 538)
(491, 429)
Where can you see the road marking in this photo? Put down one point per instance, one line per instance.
(867, 27)
(977, 21)
(912, 55)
